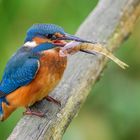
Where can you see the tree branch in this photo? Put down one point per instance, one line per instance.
(112, 22)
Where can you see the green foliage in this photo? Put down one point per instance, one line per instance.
(112, 110)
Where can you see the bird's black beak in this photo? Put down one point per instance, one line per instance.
(74, 38)
(62, 40)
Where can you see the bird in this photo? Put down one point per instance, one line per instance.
(35, 69)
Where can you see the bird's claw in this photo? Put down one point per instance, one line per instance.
(36, 113)
(51, 99)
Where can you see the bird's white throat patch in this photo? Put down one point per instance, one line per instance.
(31, 44)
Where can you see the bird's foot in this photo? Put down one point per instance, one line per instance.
(36, 113)
(51, 99)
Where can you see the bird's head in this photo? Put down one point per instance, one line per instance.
(47, 36)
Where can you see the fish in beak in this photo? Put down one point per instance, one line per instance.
(88, 47)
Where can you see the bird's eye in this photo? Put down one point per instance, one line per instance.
(49, 36)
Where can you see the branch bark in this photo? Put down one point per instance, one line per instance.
(112, 22)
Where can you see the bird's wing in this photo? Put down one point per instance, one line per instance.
(18, 74)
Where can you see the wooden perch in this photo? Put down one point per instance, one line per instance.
(112, 21)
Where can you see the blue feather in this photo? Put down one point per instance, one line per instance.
(43, 30)
(42, 47)
(20, 71)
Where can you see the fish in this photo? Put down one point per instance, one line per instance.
(91, 48)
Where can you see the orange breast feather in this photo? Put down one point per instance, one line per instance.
(51, 70)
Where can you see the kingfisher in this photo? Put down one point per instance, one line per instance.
(35, 69)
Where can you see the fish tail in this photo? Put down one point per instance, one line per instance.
(117, 61)
(98, 48)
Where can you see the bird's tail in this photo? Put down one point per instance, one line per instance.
(2, 99)
(5, 109)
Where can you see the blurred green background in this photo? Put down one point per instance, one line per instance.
(112, 110)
